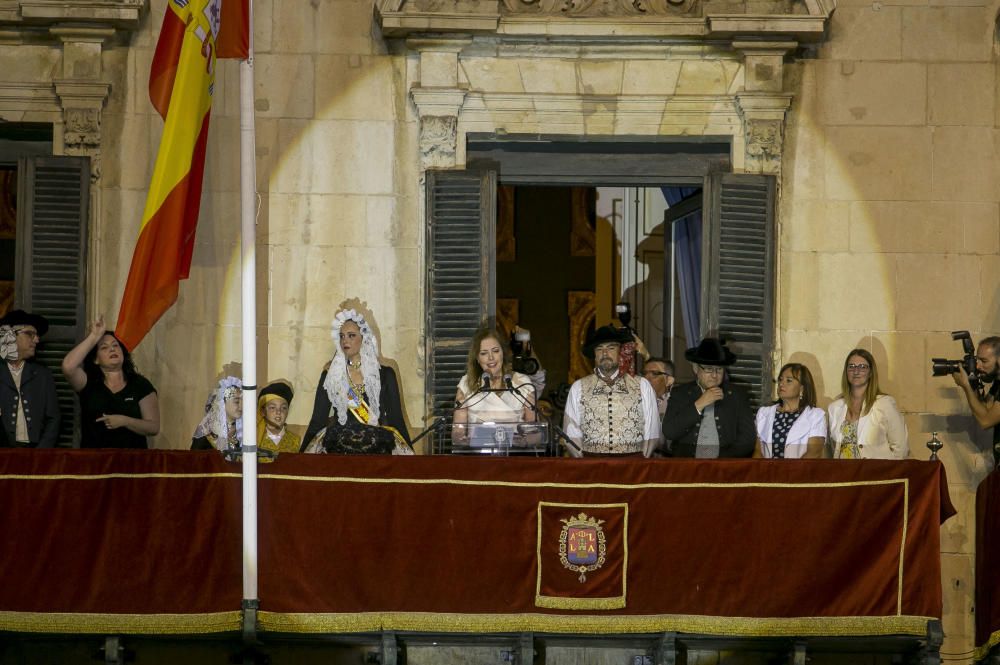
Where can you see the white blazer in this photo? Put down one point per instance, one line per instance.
(881, 434)
(810, 423)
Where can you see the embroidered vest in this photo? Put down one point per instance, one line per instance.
(612, 419)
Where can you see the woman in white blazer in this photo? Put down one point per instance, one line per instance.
(864, 422)
(792, 427)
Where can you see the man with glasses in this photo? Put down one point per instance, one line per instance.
(709, 418)
(660, 374)
(610, 412)
(29, 407)
(986, 413)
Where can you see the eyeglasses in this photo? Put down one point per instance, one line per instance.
(713, 370)
(860, 367)
(30, 333)
(653, 372)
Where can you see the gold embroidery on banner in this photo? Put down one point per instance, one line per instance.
(593, 539)
(146, 624)
(109, 476)
(902, 543)
(454, 481)
(588, 624)
(904, 482)
(568, 603)
(984, 650)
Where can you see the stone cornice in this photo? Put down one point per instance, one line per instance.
(32, 14)
(687, 20)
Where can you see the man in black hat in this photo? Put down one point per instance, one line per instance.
(610, 412)
(29, 406)
(709, 417)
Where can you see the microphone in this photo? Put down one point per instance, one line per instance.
(509, 382)
(486, 383)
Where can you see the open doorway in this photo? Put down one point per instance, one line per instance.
(736, 248)
(569, 257)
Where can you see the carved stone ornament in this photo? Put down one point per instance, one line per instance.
(763, 145)
(438, 135)
(82, 129)
(585, 8)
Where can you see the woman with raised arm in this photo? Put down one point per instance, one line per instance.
(865, 423)
(357, 408)
(794, 426)
(118, 406)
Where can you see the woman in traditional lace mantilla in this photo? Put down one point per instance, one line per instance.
(357, 408)
(222, 427)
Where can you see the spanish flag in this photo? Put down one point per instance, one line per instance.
(181, 82)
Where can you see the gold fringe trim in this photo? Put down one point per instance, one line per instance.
(563, 603)
(555, 623)
(984, 650)
(139, 624)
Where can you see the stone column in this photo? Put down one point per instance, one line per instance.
(438, 99)
(762, 104)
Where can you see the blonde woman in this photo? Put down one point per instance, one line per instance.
(865, 423)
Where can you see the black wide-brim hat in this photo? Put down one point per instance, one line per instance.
(282, 390)
(19, 317)
(712, 352)
(603, 335)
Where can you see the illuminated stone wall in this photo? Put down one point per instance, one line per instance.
(889, 189)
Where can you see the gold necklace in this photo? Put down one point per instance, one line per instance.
(358, 389)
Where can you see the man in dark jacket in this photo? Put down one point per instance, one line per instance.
(29, 407)
(709, 417)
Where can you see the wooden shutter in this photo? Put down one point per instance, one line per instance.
(738, 275)
(461, 222)
(52, 210)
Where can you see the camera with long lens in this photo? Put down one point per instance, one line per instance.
(944, 367)
(520, 348)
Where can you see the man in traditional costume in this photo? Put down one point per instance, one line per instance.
(610, 412)
(29, 406)
(709, 417)
(272, 412)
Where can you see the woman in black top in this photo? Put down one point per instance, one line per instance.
(118, 406)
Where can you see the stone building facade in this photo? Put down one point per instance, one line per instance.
(880, 120)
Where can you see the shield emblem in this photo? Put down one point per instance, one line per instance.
(581, 545)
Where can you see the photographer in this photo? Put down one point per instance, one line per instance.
(985, 407)
(525, 360)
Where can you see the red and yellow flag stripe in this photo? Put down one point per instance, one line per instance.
(181, 83)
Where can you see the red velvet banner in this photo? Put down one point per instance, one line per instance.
(150, 542)
(988, 565)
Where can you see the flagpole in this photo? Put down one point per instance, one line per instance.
(248, 209)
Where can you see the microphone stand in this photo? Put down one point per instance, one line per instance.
(436, 426)
(565, 437)
(560, 434)
(533, 405)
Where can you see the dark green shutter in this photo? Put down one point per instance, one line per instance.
(53, 202)
(461, 212)
(738, 294)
